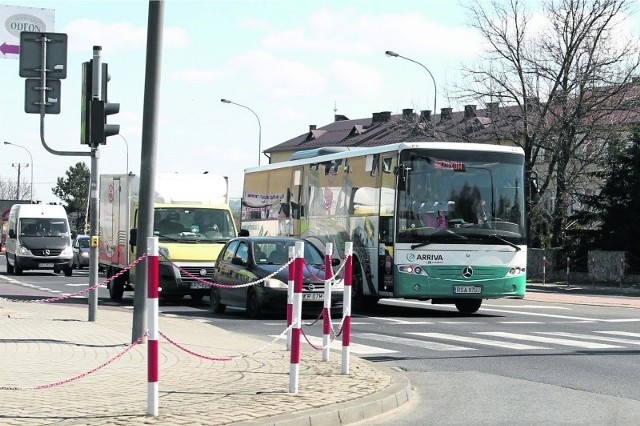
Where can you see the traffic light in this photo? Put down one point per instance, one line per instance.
(94, 129)
(85, 105)
(110, 108)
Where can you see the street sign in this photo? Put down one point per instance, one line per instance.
(33, 96)
(35, 45)
(15, 19)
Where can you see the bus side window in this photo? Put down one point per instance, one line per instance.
(386, 229)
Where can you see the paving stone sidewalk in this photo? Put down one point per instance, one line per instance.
(43, 344)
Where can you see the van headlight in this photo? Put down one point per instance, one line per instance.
(274, 283)
(23, 251)
(67, 251)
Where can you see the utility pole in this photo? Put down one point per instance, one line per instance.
(18, 166)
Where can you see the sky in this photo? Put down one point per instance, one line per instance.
(292, 63)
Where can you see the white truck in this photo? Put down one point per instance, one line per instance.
(192, 221)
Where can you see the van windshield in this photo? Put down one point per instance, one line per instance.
(43, 227)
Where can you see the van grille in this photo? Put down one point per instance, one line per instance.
(46, 252)
(195, 270)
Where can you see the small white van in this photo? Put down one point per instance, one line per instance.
(38, 237)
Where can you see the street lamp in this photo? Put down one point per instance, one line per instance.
(395, 55)
(127, 145)
(31, 157)
(227, 101)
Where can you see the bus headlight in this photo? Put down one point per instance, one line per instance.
(412, 269)
(517, 270)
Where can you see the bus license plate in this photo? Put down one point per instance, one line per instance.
(46, 265)
(467, 289)
(197, 286)
(313, 296)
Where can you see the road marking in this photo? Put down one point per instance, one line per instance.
(592, 337)
(461, 322)
(435, 346)
(521, 322)
(620, 333)
(354, 348)
(538, 314)
(565, 308)
(541, 339)
(77, 285)
(399, 321)
(486, 342)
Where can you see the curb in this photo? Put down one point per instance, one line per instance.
(393, 396)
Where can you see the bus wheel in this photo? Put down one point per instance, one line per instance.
(468, 306)
(359, 301)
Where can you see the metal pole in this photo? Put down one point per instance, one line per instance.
(127, 145)
(227, 101)
(148, 160)
(31, 159)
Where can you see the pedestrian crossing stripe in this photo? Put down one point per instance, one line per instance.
(542, 339)
(591, 337)
(479, 341)
(620, 333)
(413, 342)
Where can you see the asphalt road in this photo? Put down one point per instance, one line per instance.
(514, 362)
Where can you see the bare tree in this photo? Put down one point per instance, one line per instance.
(9, 189)
(560, 87)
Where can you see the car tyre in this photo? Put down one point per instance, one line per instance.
(68, 271)
(468, 306)
(116, 287)
(216, 306)
(9, 267)
(254, 310)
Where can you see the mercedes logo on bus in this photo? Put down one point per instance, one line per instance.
(467, 272)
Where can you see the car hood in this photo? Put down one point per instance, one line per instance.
(312, 274)
(44, 242)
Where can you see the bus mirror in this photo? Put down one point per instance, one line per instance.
(12, 233)
(133, 236)
(243, 233)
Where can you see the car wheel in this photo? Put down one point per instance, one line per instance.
(68, 271)
(359, 301)
(17, 269)
(468, 306)
(9, 267)
(196, 299)
(216, 306)
(254, 310)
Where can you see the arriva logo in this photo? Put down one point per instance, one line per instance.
(412, 257)
(22, 22)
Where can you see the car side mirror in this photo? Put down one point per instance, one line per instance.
(12, 233)
(238, 261)
(335, 262)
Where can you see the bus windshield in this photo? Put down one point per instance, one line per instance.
(460, 197)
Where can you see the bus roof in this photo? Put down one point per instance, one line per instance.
(397, 147)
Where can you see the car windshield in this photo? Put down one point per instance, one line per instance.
(43, 227)
(83, 243)
(277, 253)
(188, 225)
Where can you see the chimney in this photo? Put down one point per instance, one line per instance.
(425, 115)
(340, 117)
(407, 112)
(492, 109)
(385, 116)
(312, 127)
(375, 118)
(469, 111)
(445, 114)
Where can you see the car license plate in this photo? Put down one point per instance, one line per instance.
(467, 289)
(313, 297)
(46, 265)
(198, 286)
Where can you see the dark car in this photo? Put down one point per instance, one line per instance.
(80, 252)
(248, 259)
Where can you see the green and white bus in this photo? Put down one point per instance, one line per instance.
(439, 221)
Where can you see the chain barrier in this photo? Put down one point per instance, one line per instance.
(81, 292)
(79, 376)
(227, 358)
(334, 337)
(212, 284)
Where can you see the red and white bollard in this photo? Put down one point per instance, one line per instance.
(326, 312)
(346, 306)
(290, 285)
(153, 274)
(294, 369)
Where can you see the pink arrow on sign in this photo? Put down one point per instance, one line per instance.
(9, 48)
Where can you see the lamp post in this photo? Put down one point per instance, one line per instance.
(227, 101)
(127, 145)
(395, 55)
(31, 158)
